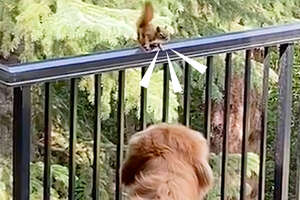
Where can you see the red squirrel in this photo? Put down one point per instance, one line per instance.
(149, 36)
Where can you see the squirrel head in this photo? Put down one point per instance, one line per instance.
(162, 34)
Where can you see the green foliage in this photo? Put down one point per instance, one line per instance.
(5, 179)
(59, 181)
(132, 95)
(59, 186)
(233, 174)
(41, 29)
(273, 116)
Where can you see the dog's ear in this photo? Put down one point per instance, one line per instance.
(134, 162)
(140, 151)
(131, 167)
(204, 173)
(200, 157)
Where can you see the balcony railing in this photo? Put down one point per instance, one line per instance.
(21, 77)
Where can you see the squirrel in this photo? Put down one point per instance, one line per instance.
(148, 36)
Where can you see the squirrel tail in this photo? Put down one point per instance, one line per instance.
(147, 15)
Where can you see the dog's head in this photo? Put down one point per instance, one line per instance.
(173, 141)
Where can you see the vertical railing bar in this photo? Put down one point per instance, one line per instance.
(166, 94)
(187, 94)
(47, 142)
(208, 92)
(143, 112)
(263, 138)
(120, 124)
(282, 150)
(97, 138)
(246, 123)
(227, 102)
(298, 167)
(72, 139)
(21, 142)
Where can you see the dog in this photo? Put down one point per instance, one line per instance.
(167, 162)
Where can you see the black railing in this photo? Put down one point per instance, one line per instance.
(23, 76)
(226, 124)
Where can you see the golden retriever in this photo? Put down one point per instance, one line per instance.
(167, 162)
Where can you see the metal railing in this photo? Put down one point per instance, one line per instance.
(22, 77)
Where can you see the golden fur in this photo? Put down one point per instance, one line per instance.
(167, 162)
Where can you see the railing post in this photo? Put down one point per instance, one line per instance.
(208, 97)
(166, 94)
(21, 142)
(143, 104)
(298, 164)
(187, 94)
(264, 126)
(298, 167)
(282, 151)
(47, 141)
(97, 138)
(227, 102)
(73, 136)
(246, 124)
(120, 124)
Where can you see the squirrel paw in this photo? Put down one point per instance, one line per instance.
(146, 48)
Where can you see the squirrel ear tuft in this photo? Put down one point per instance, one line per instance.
(158, 29)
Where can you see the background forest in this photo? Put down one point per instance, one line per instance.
(34, 30)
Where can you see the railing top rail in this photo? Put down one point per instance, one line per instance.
(63, 68)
